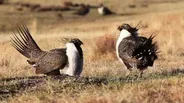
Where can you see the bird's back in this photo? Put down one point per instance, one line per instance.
(127, 46)
(137, 52)
(146, 52)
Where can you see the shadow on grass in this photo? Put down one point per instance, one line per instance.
(11, 86)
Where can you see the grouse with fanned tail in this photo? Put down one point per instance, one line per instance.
(135, 51)
(52, 61)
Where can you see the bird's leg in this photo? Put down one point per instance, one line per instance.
(131, 73)
(141, 73)
(135, 71)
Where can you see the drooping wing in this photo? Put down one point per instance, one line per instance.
(52, 60)
(138, 51)
(23, 42)
(129, 45)
(126, 49)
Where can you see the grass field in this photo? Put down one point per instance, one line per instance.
(110, 80)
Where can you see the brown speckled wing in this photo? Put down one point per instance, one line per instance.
(126, 49)
(44, 61)
(52, 60)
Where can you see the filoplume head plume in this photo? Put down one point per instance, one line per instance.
(65, 40)
(71, 40)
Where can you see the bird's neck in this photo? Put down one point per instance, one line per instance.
(101, 10)
(123, 34)
(74, 66)
(79, 49)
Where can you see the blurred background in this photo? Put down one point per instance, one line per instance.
(49, 15)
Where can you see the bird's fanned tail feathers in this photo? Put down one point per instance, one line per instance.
(147, 52)
(24, 43)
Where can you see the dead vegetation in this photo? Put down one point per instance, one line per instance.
(104, 46)
(40, 8)
(104, 79)
(12, 86)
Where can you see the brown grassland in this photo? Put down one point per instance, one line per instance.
(162, 83)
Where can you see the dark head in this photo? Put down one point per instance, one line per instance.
(76, 41)
(77, 44)
(128, 28)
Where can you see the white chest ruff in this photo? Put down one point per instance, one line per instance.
(123, 34)
(101, 10)
(75, 63)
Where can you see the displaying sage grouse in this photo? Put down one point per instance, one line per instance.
(52, 61)
(83, 10)
(102, 10)
(135, 51)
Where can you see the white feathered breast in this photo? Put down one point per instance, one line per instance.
(101, 10)
(123, 34)
(75, 64)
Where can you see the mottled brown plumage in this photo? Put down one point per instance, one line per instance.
(130, 49)
(135, 51)
(45, 62)
(83, 10)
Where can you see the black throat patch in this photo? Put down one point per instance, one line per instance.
(79, 50)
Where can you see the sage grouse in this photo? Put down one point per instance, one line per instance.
(102, 10)
(52, 61)
(83, 10)
(135, 51)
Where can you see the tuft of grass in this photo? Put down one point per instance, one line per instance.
(110, 83)
(104, 46)
(44, 86)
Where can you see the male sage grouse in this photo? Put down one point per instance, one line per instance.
(83, 10)
(135, 51)
(102, 10)
(52, 61)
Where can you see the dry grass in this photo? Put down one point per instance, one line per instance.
(100, 59)
(104, 47)
(170, 90)
(169, 27)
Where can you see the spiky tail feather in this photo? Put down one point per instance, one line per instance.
(23, 42)
(146, 52)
